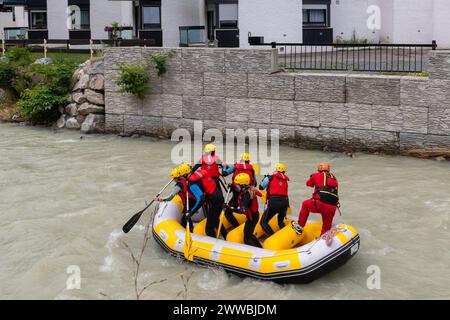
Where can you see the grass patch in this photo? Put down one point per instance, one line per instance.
(409, 74)
(73, 57)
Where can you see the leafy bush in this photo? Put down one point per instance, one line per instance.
(41, 103)
(7, 74)
(19, 56)
(133, 79)
(159, 60)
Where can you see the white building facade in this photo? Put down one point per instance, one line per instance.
(229, 23)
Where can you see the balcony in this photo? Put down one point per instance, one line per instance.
(192, 36)
(15, 33)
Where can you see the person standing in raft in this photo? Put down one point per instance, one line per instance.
(211, 163)
(247, 199)
(325, 198)
(180, 176)
(277, 198)
(243, 166)
(205, 191)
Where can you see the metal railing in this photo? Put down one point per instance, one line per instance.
(354, 57)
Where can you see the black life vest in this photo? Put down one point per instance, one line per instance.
(328, 193)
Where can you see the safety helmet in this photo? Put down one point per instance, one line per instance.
(280, 167)
(210, 148)
(184, 168)
(245, 157)
(176, 173)
(324, 166)
(242, 179)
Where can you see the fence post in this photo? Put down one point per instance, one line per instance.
(3, 47)
(91, 48)
(45, 48)
(433, 45)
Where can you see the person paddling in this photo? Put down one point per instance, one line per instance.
(180, 176)
(243, 166)
(277, 198)
(325, 199)
(247, 200)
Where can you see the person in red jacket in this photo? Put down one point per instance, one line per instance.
(277, 198)
(247, 199)
(211, 163)
(205, 190)
(325, 198)
(243, 166)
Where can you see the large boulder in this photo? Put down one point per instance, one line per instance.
(94, 123)
(72, 123)
(61, 122)
(97, 67)
(97, 82)
(94, 97)
(87, 108)
(79, 97)
(72, 110)
(83, 83)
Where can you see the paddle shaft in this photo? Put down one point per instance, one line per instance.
(134, 219)
(223, 212)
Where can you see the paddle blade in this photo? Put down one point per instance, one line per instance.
(256, 168)
(220, 224)
(130, 223)
(188, 244)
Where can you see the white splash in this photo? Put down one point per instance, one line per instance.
(110, 245)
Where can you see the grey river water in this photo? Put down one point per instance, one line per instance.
(63, 201)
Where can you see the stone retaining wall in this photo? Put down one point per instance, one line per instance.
(242, 88)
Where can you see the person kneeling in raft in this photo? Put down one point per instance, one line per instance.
(248, 204)
(277, 198)
(325, 198)
(180, 175)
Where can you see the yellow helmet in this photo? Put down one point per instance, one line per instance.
(280, 167)
(184, 168)
(324, 166)
(210, 148)
(242, 179)
(176, 173)
(245, 157)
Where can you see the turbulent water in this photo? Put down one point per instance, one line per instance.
(63, 201)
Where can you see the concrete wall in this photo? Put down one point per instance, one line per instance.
(57, 19)
(236, 88)
(413, 21)
(441, 23)
(175, 13)
(279, 21)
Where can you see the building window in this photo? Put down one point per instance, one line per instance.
(228, 15)
(38, 20)
(151, 17)
(84, 18)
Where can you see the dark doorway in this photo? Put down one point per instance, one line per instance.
(210, 21)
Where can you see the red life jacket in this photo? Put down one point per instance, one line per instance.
(253, 204)
(182, 183)
(278, 185)
(209, 185)
(327, 190)
(243, 167)
(209, 163)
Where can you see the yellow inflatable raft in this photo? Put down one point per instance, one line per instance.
(286, 256)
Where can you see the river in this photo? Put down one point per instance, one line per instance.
(63, 201)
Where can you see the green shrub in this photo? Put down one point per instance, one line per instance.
(19, 56)
(159, 60)
(7, 74)
(133, 79)
(41, 103)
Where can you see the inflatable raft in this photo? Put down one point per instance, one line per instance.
(286, 256)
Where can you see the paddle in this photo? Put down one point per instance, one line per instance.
(222, 214)
(256, 168)
(187, 236)
(134, 219)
